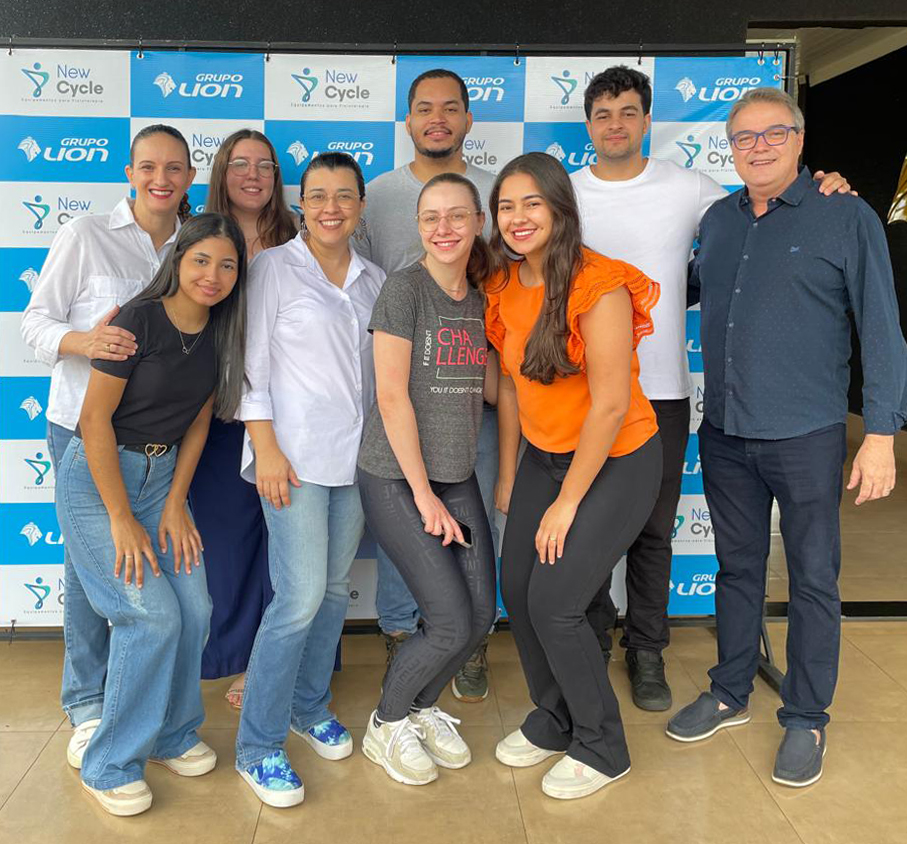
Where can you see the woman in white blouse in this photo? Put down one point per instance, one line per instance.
(310, 380)
(95, 264)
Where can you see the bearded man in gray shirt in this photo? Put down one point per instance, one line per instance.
(438, 121)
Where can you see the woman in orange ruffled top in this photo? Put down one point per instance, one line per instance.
(566, 322)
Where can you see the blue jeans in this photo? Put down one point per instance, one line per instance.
(311, 547)
(85, 633)
(396, 607)
(153, 705)
(804, 474)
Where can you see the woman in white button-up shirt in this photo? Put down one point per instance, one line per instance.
(246, 185)
(95, 264)
(310, 384)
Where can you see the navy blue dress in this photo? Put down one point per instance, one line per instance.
(227, 512)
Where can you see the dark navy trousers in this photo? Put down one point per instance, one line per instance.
(742, 477)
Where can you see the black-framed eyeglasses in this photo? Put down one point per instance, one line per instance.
(242, 166)
(774, 136)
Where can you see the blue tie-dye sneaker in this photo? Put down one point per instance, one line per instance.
(329, 739)
(274, 781)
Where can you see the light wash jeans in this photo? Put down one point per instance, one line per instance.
(153, 701)
(395, 605)
(311, 547)
(85, 634)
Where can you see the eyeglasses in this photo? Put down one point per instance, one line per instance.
(242, 166)
(774, 136)
(345, 199)
(456, 219)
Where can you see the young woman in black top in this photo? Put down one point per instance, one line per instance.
(124, 479)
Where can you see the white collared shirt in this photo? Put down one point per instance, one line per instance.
(309, 362)
(94, 263)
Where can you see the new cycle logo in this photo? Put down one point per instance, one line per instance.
(66, 83)
(71, 82)
(690, 149)
(38, 209)
(39, 590)
(40, 466)
(307, 82)
(566, 84)
(197, 85)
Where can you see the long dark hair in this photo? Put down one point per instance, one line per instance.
(276, 223)
(545, 357)
(228, 317)
(480, 261)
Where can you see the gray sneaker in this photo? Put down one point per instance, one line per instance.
(799, 759)
(470, 683)
(703, 718)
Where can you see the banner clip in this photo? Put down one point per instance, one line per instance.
(639, 55)
(268, 52)
(516, 58)
(394, 56)
(11, 45)
(761, 59)
(141, 54)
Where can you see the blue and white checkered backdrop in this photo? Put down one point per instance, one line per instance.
(66, 119)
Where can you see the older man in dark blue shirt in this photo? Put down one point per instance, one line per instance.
(779, 268)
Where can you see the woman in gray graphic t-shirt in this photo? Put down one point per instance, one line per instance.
(417, 480)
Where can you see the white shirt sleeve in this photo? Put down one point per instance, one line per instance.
(263, 303)
(709, 193)
(46, 319)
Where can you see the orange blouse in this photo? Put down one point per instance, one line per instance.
(552, 415)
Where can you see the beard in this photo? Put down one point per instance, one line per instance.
(455, 147)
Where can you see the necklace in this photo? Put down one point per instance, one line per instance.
(198, 337)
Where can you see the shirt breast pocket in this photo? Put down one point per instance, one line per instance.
(103, 294)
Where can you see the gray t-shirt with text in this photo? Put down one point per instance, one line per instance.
(391, 238)
(447, 374)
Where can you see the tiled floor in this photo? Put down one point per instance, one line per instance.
(719, 791)
(873, 538)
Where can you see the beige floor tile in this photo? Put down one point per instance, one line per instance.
(50, 806)
(363, 649)
(355, 801)
(34, 670)
(874, 588)
(860, 798)
(17, 753)
(502, 648)
(864, 691)
(674, 794)
(888, 650)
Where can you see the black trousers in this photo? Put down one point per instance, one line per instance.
(453, 586)
(741, 478)
(649, 557)
(576, 709)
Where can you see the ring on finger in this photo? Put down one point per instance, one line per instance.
(108, 346)
(552, 539)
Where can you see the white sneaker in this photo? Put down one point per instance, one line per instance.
(197, 760)
(517, 751)
(442, 741)
(397, 747)
(569, 779)
(81, 735)
(124, 800)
